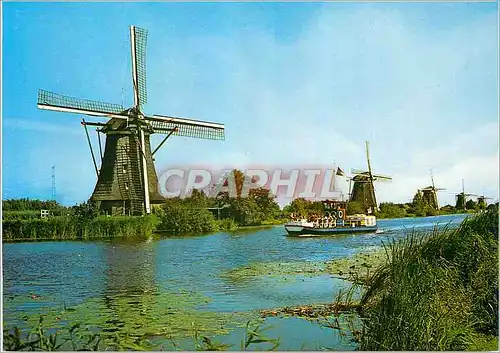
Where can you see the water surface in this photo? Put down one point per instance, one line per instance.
(132, 282)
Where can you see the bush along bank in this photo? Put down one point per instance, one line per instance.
(437, 291)
(192, 215)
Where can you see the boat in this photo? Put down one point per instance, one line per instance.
(334, 221)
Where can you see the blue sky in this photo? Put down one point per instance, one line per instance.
(294, 84)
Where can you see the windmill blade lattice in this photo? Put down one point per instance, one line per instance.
(141, 39)
(188, 128)
(380, 177)
(50, 100)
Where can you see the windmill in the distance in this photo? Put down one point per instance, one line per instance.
(461, 198)
(363, 190)
(429, 194)
(127, 182)
(481, 201)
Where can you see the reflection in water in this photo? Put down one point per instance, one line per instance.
(130, 283)
(138, 286)
(131, 268)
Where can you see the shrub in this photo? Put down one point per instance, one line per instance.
(226, 224)
(391, 210)
(180, 217)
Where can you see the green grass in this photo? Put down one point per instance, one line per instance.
(437, 291)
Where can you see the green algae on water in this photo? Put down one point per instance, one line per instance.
(168, 315)
(356, 267)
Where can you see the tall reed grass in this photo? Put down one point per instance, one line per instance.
(437, 291)
(68, 228)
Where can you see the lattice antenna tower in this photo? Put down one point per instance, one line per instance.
(54, 182)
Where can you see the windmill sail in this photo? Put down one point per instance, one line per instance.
(363, 190)
(187, 127)
(138, 43)
(127, 180)
(58, 102)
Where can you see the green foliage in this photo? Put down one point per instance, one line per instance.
(266, 203)
(254, 335)
(418, 206)
(245, 211)
(73, 227)
(302, 207)
(186, 216)
(85, 211)
(355, 207)
(39, 339)
(226, 224)
(492, 207)
(448, 209)
(29, 205)
(391, 210)
(471, 205)
(19, 215)
(438, 291)
(189, 215)
(77, 337)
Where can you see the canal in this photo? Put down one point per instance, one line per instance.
(166, 288)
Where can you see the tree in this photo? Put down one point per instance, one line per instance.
(188, 215)
(492, 207)
(355, 207)
(244, 210)
(86, 211)
(198, 199)
(418, 206)
(470, 205)
(391, 210)
(298, 207)
(481, 203)
(265, 202)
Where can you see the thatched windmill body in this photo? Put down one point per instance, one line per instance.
(126, 181)
(481, 201)
(461, 198)
(363, 190)
(429, 194)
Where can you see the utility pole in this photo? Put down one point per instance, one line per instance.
(54, 182)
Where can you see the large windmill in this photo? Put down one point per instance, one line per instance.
(127, 182)
(363, 190)
(429, 194)
(461, 198)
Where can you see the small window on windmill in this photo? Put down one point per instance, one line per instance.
(125, 168)
(126, 186)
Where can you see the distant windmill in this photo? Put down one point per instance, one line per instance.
(127, 182)
(363, 190)
(481, 201)
(461, 198)
(429, 194)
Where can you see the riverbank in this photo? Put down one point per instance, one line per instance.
(119, 286)
(438, 290)
(76, 228)
(104, 227)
